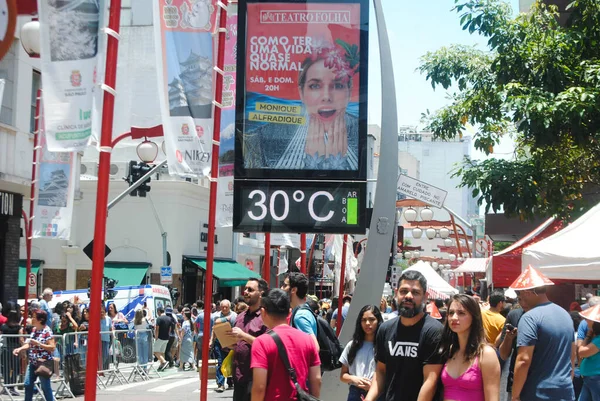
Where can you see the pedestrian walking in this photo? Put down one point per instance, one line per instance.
(248, 326)
(545, 343)
(472, 369)
(303, 318)
(106, 336)
(408, 359)
(186, 339)
(346, 300)
(589, 350)
(10, 363)
(224, 316)
(508, 345)
(140, 324)
(493, 321)
(40, 347)
(283, 347)
(358, 359)
(161, 337)
(171, 356)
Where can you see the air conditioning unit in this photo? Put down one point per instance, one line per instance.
(89, 169)
(118, 170)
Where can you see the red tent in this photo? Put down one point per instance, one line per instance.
(506, 265)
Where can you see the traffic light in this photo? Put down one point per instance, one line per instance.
(145, 187)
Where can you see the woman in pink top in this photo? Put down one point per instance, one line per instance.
(472, 370)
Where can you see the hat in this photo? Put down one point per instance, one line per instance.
(530, 278)
(433, 311)
(592, 313)
(169, 311)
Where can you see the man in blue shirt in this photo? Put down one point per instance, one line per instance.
(46, 297)
(545, 344)
(296, 285)
(345, 306)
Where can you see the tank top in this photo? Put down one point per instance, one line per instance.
(467, 387)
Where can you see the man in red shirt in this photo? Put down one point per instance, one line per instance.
(270, 379)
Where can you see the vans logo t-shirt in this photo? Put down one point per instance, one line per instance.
(402, 348)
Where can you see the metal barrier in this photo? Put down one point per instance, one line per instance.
(121, 351)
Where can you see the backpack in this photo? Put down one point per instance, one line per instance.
(330, 349)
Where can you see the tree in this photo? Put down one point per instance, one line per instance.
(538, 82)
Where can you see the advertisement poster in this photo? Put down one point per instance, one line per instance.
(185, 61)
(305, 89)
(226, 149)
(56, 177)
(69, 49)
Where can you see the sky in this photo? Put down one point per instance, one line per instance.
(414, 28)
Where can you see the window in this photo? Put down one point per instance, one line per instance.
(7, 73)
(36, 83)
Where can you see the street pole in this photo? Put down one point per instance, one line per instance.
(303, 267)
(338, 322)
(136, 184)
(29, 221)
(266, 273)
(110, 81)
(212, 207)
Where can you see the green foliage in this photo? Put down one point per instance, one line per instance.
(501, 245)
(538, 82)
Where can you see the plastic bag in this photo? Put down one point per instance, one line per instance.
(227, 365)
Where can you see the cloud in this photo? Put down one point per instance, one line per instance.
(228, 132)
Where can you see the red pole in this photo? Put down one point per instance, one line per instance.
(303, 267)
(341, 292)
(212, 207)
(266, 270)
(29, 221)
(110, 80)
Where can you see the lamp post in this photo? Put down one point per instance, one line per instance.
(147, 151)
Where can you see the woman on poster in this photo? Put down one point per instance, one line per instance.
(329, 138)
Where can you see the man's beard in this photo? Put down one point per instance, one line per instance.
(410, 312)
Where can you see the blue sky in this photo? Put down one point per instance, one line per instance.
(414, 28)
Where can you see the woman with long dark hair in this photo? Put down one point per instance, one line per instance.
(358, 358)
(472, 370)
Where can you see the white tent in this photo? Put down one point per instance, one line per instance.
(434, 280)
(473, 265)
(572, 253)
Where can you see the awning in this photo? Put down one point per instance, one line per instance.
(473, 265)
(126, 273)
(229, 272)
(35, 267)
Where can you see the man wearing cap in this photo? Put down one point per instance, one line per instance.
(545, 346)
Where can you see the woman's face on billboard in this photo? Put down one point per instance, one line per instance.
(323, 95)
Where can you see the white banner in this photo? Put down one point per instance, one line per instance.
(55, 192)
(69, 48)
(226, 149)
(184, 53)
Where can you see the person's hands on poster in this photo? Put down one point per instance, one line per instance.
(315, 138)
(337, 137)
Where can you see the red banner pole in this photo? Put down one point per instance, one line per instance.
(341, 292)
(212, 207)
(110, 80)
(303, 267)
(266, 268)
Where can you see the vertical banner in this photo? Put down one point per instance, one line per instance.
(226, 149)
(185, 59)
(69, 48)
(55, 192)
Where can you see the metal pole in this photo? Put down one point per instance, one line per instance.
(135, 184)
(29, 221)
(303, 267)
(212, 208)
(110, 80)
(338, 322)
(163, 233)
(266, 272)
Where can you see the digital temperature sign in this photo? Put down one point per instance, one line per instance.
(288, 206)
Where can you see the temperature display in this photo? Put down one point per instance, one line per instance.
(276, 206)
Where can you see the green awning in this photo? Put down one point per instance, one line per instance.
(35, 267)
(126, 273)
(229, 272)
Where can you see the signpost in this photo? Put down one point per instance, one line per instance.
(166, 275)
(422, 191)
(32, 285)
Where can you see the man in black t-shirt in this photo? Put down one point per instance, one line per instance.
(162, 331)
(408, 358)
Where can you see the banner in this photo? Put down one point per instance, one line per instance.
(55, 192)
(69, 48)
(226, 149)
(185, 59)
(304, 83)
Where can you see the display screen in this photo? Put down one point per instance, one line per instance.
(287, 207)
(302, 112)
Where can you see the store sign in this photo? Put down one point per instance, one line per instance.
(7, 204)
(422, 191)
(301, 116)
(166, 275)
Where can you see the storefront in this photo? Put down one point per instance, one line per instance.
(11, 205)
